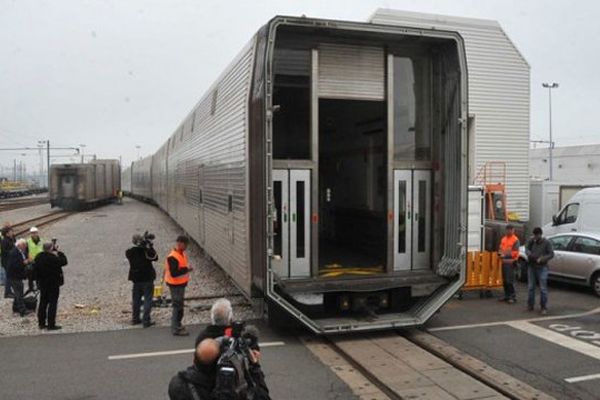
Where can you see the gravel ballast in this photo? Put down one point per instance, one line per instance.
(97, 295)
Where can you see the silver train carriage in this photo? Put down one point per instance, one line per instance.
(84, 186)
(325, 172)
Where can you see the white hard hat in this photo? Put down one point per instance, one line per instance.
(33, 230)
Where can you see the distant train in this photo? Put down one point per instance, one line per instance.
(84, 186)
(326, 172)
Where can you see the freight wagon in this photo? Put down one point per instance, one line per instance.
(84, 186)
(325, 172)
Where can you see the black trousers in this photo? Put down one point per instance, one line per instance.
(48, 305)
(139, 290)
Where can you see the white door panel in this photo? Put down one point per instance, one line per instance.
(299, 223)
(421, 219)
(412, 219)
(281, 223)
(402, 220)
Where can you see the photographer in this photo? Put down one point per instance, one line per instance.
(201, 381)
(221, 316)
(198, 381)
(49, 274)
(142, 274)
(239, 375)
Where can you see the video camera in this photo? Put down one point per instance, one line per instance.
(233, 380)
(147, 239)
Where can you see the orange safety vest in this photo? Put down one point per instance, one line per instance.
(508, 244)
(182, 260)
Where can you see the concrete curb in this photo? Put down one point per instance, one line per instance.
(500, 381)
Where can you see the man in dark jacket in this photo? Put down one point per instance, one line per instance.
(49, 274)
(221, 317)
(198, 381)
(6, 245)
(16, 273)
(142, 274)
(539, 251)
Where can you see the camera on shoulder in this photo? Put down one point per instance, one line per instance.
(147, 240)
(232, 381)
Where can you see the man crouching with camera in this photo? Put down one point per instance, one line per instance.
(225, 368)
(142, 274)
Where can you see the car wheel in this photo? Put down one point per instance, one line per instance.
(596, 283)
(521, 272)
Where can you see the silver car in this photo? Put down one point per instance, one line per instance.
(576, 260)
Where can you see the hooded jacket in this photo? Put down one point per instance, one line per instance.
(202, 378)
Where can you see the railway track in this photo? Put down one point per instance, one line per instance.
(22, 228)
(13, 204)
(415, 365)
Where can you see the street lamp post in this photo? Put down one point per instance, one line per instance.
(137, 146)
(550, 86)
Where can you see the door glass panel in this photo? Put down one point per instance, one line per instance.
(422, 201)
(277, 234)
(300, 220)
(402, 216)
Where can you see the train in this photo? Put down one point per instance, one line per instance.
(325, 171)
(84, 186)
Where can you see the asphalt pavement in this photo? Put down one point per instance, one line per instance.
(77, 366)
(558, 353)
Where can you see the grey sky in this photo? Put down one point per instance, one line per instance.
(112, 74)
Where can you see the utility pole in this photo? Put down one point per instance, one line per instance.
(15, 170)
(48, 163)
(550, 86)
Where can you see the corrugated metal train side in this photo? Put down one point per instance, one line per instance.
(199, 176)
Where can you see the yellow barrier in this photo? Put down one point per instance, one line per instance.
(484, 271)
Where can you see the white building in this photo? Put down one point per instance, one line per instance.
(572, 164)
(499, 97)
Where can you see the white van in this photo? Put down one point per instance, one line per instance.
(580, 214)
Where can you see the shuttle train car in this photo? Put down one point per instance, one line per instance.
(325, 172)
(84, 186)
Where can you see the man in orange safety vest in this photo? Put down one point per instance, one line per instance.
(177, 275)
(509, 253)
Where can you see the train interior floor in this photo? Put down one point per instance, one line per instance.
(352, 184)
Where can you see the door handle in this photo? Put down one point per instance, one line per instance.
(293, 217)
(573, 230)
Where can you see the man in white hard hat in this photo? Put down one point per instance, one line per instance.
(35, 246)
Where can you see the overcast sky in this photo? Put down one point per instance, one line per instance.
(114, 74)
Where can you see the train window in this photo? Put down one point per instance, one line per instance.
(291, 123)
(213, 104)
(412, 134)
